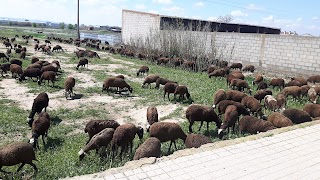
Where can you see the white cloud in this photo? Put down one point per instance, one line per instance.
(199, 4)
(163, 1)
(140, 6)
(238, 13)
(269, 18)
(316, 18)
(153, 12)
(212, 18)
(174, 10)
(253, 7)
(299, 19)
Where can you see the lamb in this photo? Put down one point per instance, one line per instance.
(40, 102)
(116, 82)
(196, 140)
(15, 153)
(258, 79)
(278, 120)
(83, 62)
(167, 131)
(294, 91)
(30, 72)
(279, 82)
(235, 95)
(16, 61)
(15, 70)
(201, 113)
(162, 81)
(93, 127)
(281, 101)
(142, 70)
(262, 85)
(250, 68)
(301, 80)
(219, 96)
(123, 136)
(253, 104)
(68, 87)
(254, 125)
(150, 148)
(182, 90)
(297, 116)
(49, 76)
(236, 65)
(103, 138)
(312, 109)
(270, 103)
(261, 94)
(40, 127)
(4, 68)
(230, 119)
(169, 88)
(314, 79)
(222, 106)
(150, 79)
(152, 115)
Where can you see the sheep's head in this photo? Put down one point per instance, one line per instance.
(130, 89)
(221, 133)
(81, 154)
(140, 132)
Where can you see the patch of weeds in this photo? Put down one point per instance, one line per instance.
(177, 113)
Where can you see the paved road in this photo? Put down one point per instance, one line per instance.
(290, 155)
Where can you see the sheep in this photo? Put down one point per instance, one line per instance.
(235, 95)
(301, 80)
(312, 94)
(304, 90)
(281, 101)
(167, 131)
(142, 70)
(40, 102)
(49, 76)
(293, 83)
(169, 88)
(230, 78)
(312, 109)
(297, 116)
(56, 63)
(237, 74)
(162, 81)
(49, 67)
(279, 82)
(119, 76)
(123, 136)
(196, 140)
(40, 127)
(22, 55)
(152, 116)
(230, 118)
(262, 85)
(294, 91)
(30, 72)
(15, 153)
(16, 61)
(83, 62)
(116, 82)
(211, 69)
(254, 125)
(218, 73)
(250, 68)
(103, 138)
(182, 90)
(4, 68)
(163, 60)
(219, 96)
(222, 105)
(150, 148)
(35, 65)
(34, 59)
(253, 104)
(242, 85)
(150, 79)
(57, 48)
(278, 120)
(314, 79)
(16, 70)
(258, 79)
(4, 56)
(68, 87)
(236, 65)
(95, 126)
(201, 113)
(270, 103)
(260, 94)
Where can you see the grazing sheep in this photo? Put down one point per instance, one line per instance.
(313, 95)
(68, 87)
(167, 131)
(201, 113)
(4, 68)
(123, 136)
(120, 76)
(301, 80)
(57, 48)
(293, 83)
(35, 65)
(115, 82)
(278, 120)
(40, 102)
(196, 140)
(219, 96)
(235, 95)
(49, 67)
(261, 94)
(222, 106)
(297, 116)
(252, 104)
(150, 79)
(281, 101)
(258, 79)
(16, 70)
(162, 81)
(312, 109)
(232, 76)
(56, 63)
(314, 79)
(83, 62)
(218, 73)
(169, 88)
(279, 82)
(30, 72)
(304, 90)
(15, 153)
(22, 55)
(34, 59)
(210, 69)
(142, 70)
(103, 138)
(150, 148)
(254, 125)
(262, 85)
(242, 85)
(152, 116)
(270, 103)
(182, 91)
(294, 91)
(40, 127)
(93, 127)
(236, 66)
(49, 76)
(250, 68)
(230, 118)
(163, 60)
(16, 61)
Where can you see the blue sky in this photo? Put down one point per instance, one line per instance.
(300, 16)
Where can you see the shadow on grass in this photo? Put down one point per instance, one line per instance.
(53, 142)
(77, 96)
(56, 120)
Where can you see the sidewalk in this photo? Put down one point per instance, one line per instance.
(290, 155)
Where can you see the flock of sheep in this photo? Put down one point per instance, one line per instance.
(235, 107)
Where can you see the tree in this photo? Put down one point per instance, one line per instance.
(62, 25)
(34, 25)
(70, 26)
(10, 23)
(78, 22)
(225, 19)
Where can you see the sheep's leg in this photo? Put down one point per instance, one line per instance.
(169, 147)
(20, 167)
(200, 125)
(43, 140)
(168, 96)
(164, 96)
(34, 167)
(190, 126)
(175, 146)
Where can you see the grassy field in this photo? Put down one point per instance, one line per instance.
(58, 158)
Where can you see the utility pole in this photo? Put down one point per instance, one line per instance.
(78, 26)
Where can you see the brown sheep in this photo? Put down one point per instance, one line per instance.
(293, 83)
(304, 90)
(297, 116)
(312, 109)
(219, 96)
(95, 126)
(261, 94)
(279, 82)
(142, 70)
(258, 79)
(232, 76)
(49, 67)
(218, 73)
(162, 81)
(115, 82)
(40, 127)
(169, 88)
(242, 85)
(301, 80)
(253, 104)
(314, 79)
(254, 125)
(230, 118)
(313, 95)
(16, 70)
(163, 60)
(16, 61)
(182, 91)
(278, 120)
(222, 106)
(150, 148)
(68, 87)
(270, 103)
(22, 55)
(152, 115)
(235, 95)
(196, 140)
(49, 76)
(236, 66)
(250, 68)
(152, 78)
(83, 62)
(4, 68)
(262, 85)
(201, 113)
(294, 91)
(281, 101)
(167, 131)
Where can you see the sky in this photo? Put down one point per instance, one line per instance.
(299, 15)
